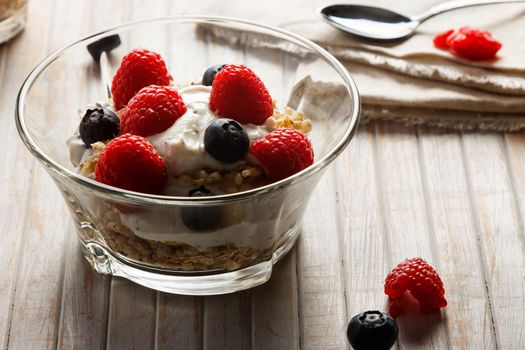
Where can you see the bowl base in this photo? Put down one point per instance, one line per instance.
(104, 261)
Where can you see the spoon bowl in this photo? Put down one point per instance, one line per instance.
(370, 22)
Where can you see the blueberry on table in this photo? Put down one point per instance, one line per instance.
(209, 74)
(201, 218)
(226, 140)
(372, 330)
(98, 124)
(105, 44)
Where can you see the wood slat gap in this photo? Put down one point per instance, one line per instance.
(298, 292)
(156, 328)
(108, 314)
(514, 188)
(380, 197)
(61, 293)
(382, 201)
(429, 218)
(340, 246)
(477, 226)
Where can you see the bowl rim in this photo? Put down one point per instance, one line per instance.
(144, 198)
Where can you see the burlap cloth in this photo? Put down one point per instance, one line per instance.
(411, 81)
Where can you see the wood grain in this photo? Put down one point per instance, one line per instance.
(227, 322)
(468, 311)
(38, 289)
(500, 233)
(179, 322)
(24, 52)
(274, 309)
(83, 322)
(131, 317)
(321, 287)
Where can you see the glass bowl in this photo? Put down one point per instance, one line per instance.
(142, 237)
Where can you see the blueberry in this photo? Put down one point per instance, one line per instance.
(105, 44)
(372, 330)
(201, 218)
(209, 74)
(98, 124)
(226, 140)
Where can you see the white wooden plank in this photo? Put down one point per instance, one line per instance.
(131, 318)
(500, 233)
(83, 321)
(227, 322)
(274, 308)
(321, 286)
(469, 316)
(39, 282)
(408, 230)
(22, 53)
(365, 247)
(179, 322)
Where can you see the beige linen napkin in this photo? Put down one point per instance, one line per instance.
(411, 81)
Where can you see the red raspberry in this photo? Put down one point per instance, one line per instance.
(152, 110)
(474, 44)
(283, 153)
(440, 40)
(421, 280)
(130, 162)
(468, 43)
(239, 94)
(138, 69)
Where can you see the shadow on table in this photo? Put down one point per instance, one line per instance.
(415, 327)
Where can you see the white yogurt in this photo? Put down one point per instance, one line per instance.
(161, 227)
(182, 144)
(78, 152)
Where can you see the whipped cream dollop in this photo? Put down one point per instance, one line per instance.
(182, 145)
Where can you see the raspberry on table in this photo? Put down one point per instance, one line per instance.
(238, 93)
(283, 152)
(152, 110)
(138, 69)
(468, 43)
(421, 280)
(130, 162)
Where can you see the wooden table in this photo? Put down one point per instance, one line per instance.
(456, 199)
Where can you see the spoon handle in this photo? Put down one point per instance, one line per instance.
(455, 4)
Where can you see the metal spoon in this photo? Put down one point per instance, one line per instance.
(382, 24)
